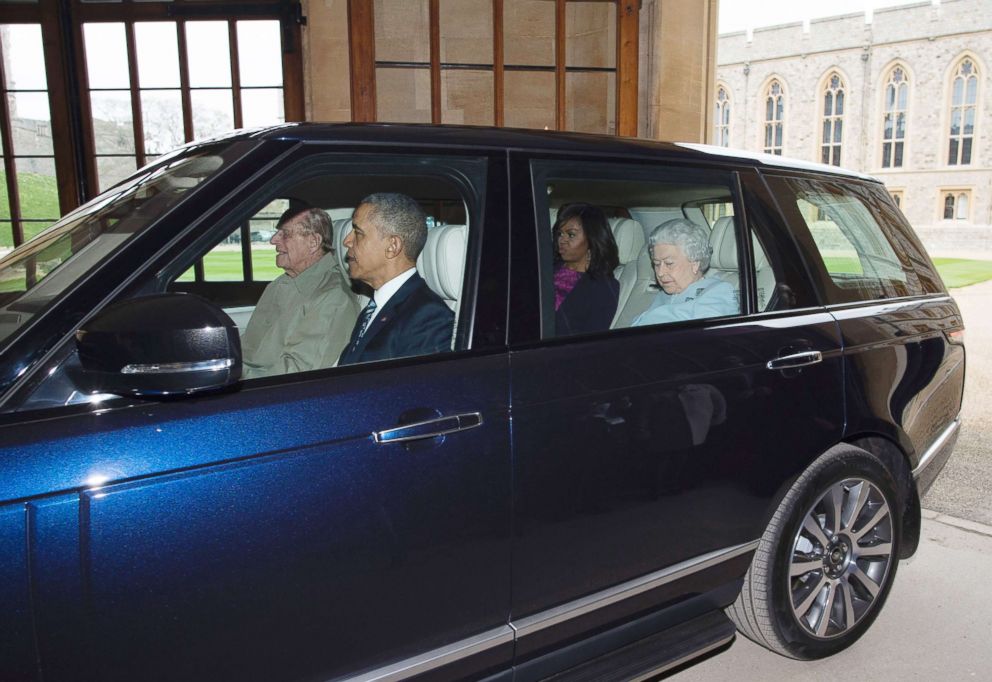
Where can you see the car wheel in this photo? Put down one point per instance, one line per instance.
(824, 565)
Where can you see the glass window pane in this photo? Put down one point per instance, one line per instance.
(529, 99)
(966, 151)
(467, 97)
(828, 103)
(262, 107)
(213, 112)
(403, 95)
(39, 194)
(30, 123)
(209, 54)
(466, 31)
(529, 33)
(962, 209)
(972, 95)
(958, 91)
(25, 63)
(157, 45)
(838, 131)
(223, 262)
(898, 154)
(113, 122)
(259, 53)
(590, 102)
(113, 169)
(262, 227)
(6, 246)
(591, 34)
(162, 116)
(106, 55)
(840, 103)
(402, 31)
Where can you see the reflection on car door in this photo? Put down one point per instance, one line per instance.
(635, 450)
(265, 534)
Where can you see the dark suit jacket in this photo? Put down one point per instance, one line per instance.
(414, 321)
(589, 307)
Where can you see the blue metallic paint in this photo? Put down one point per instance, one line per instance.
(261, 533)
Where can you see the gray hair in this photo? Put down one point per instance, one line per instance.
(397, 214)
(312, 220)
(688, 236)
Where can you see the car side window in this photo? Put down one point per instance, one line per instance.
(853, 256)
(308, 320)
(625, 246)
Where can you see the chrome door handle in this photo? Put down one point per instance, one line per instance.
(810, 357)
(429, 429)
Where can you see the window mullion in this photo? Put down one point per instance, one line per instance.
(187, 98)
(137, 121)
(235, 73)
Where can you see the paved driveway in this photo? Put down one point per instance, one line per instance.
(937, 623)
(964, 488)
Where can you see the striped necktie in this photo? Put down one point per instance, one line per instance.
(366, 318)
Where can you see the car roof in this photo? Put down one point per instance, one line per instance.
(531, 140)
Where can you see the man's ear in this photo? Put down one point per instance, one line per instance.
(394, 246)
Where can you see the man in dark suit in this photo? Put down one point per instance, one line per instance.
(404, 317)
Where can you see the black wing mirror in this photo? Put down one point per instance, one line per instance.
(160, 345)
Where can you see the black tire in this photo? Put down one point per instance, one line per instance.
(819, 578)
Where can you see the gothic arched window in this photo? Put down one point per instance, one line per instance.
(964, 102)
(833, 120)
(894, 123)
(774, 118)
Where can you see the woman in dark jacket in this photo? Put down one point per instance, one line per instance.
(586, 292)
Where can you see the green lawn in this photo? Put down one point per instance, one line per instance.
(959, 272)
(225, 266)
(39, 197)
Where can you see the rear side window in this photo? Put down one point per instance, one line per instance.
(858, 247)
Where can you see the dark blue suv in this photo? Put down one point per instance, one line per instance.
(541, 499)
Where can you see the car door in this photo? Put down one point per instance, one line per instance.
(647, 459)
(335, 522)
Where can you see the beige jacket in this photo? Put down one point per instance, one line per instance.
(300, 323)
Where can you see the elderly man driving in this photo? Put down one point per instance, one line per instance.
(304, 317)
(680, 253)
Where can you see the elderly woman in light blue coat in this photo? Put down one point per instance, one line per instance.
(680, 254)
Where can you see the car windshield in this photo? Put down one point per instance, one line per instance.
(40, 270)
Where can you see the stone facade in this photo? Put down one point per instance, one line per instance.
(929, 42)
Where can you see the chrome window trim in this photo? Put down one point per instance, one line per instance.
(506, 634)
(936, 447)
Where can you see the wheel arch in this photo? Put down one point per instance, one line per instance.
(896, 460)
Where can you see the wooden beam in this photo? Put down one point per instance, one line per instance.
(560, 119)
(361, 56)
(628, 32)
(498, 59)
(63, 142)
(435, 47)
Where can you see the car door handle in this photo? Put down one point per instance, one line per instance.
(430, 428)
(810, 357)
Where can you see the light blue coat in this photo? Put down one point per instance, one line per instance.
(706, 297)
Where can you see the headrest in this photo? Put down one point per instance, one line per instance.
(723, 239)
(760, 259)
(442, 262)
(342, 227)
(629, 236)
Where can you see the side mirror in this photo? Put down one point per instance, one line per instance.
(160, 345)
